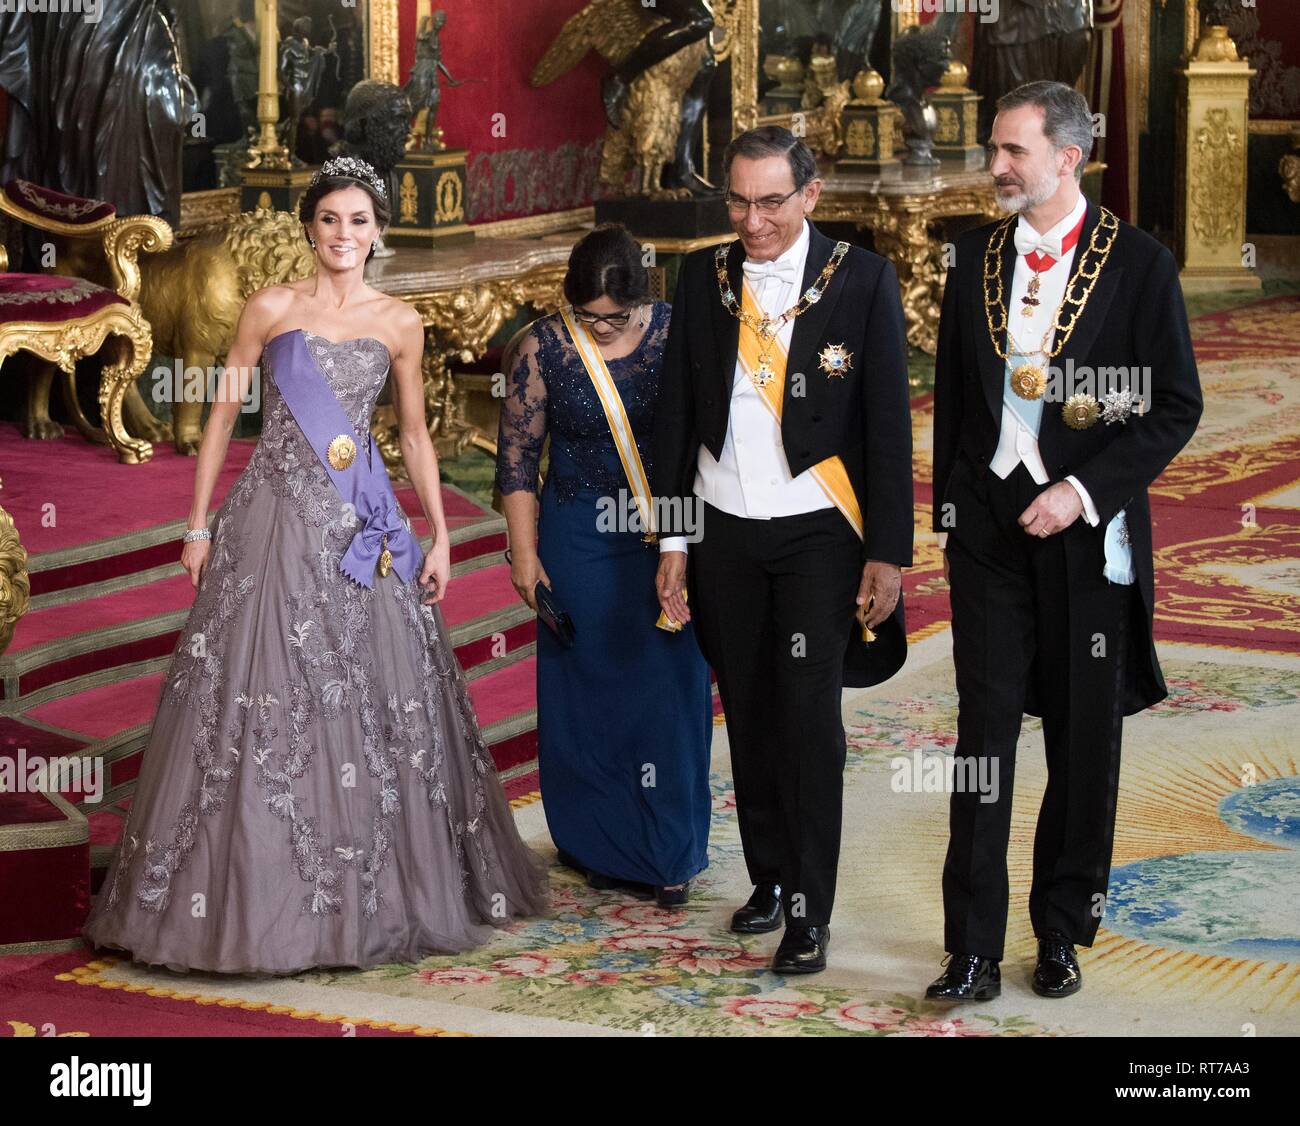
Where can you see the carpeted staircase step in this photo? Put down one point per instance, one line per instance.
(64, 644)
(504, 694)
(44, 872)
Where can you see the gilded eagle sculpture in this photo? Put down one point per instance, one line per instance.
(661, 64)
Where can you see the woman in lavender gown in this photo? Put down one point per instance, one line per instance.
(316, 790)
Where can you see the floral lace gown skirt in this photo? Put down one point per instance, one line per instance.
(316, 790)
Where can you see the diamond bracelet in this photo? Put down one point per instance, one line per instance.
(196, 534)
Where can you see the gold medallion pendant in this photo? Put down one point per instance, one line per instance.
(342, 451)
(1080, 412)
(767, 327)
(385, 557)
(1029, 381)
(834, 360)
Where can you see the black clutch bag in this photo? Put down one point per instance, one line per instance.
(553, 615)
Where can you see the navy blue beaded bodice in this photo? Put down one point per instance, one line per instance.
(549, 392)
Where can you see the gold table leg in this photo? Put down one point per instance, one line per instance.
(459, 324)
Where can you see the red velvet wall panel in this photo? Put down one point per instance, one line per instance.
(549, 155)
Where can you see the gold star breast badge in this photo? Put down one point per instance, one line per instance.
(834, 360)
(1080, 411)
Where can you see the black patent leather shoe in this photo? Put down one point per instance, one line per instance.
(1057, 973)
(969, 977)
(802, 950)
(761, 914)
(673, 897)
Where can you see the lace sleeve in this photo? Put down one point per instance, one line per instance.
(522, 429)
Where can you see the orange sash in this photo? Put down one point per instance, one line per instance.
(830, 474)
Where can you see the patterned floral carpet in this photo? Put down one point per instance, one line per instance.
(1203, 936)
(1202, 931)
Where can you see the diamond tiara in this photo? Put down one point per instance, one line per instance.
(354, 168)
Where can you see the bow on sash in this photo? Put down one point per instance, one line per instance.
(363, 482)
(362, 556)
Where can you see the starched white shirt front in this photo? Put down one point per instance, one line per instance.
(1017, 443)
(752, 477)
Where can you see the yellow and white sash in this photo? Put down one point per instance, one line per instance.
(615, 414)
(830, 474)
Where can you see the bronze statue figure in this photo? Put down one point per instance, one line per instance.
(684, 22)
(662, 67)
(920, 58)
(853, 38)
(301, 69)
(1030, 40)
(376, 120)
(424, 87)
(107, 104)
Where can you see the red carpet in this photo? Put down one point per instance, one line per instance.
(64, 995)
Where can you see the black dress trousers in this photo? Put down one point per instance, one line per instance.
(1030, 621)
(773, 601)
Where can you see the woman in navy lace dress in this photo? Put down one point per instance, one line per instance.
(624, 716)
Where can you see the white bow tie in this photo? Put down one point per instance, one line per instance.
(761, 271)
(1028, 240)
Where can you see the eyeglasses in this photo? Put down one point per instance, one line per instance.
(614, 320)
(768, 205)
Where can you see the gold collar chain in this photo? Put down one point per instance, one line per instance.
(766, 328)
(1029, 381)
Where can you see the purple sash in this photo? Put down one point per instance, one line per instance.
(364, 484)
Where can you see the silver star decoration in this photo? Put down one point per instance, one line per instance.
(1116, 406)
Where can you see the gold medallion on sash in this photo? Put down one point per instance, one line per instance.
(342, 451)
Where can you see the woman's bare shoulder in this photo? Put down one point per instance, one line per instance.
(401, 314)
(277, 297)
(264, 309)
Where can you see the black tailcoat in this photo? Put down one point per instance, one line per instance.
(1135, 318)
(863, 416)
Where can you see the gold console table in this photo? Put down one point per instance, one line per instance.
(898, 207)
(464, 294)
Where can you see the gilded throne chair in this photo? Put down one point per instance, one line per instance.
(62, 319)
